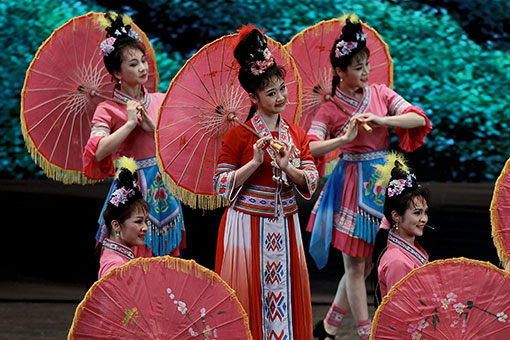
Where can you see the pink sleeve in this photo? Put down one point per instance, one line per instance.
(108, 265)
(101, 127)
(411, 139)
(395, 271)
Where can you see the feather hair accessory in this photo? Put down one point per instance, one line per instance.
(352, 17)
(385, 169)
(127, 163)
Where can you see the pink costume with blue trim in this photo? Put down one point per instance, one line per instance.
(398, 260)
(166, 225)
(349, 209)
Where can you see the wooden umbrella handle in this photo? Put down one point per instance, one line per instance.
(94, 93)
(236, 119)
(364, 125)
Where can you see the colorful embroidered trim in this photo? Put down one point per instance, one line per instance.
(364, 156)
(407, 248)
(118, 248)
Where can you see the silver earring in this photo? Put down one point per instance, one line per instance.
(396, 226)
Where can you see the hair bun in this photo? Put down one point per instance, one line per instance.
(251, 46)
(352, 28)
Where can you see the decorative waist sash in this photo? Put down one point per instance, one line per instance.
(260, 200)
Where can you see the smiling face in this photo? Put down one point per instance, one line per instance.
(413, 221)
(356, 74)
(132, 231)
(272, 99)
(134, 69)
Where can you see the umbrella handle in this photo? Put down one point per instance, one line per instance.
(94, 93)
(236, 119)
(365, 125)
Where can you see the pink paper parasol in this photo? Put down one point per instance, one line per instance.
(500, 216)
(310, 50)
(164, 298)
(63, 85)
(454, 299)
(196, 112)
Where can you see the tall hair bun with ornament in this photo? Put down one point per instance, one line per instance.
(352, 39)
(126, 178)
(118, 32)
(396, 175)
(251, 51)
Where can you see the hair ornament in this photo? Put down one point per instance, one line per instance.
(121, 195)
(344, 47)
(352, 35)
(126, 188)
(385, 169)
(396, 186)
(116, 26)
(260, 66)
(107, 47)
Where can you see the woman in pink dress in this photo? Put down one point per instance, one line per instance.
(349, 209)
(127, 129)
(406, 206)
(125, 217)
(260, 251)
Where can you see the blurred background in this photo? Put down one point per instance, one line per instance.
(451, 58)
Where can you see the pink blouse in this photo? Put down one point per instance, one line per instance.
(113, 255)
(399, 259)
(109, 117)
(379, 100)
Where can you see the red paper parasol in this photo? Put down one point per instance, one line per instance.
(160, 298)
(194, 117)
(454, 299)
(60, 94)
(310, 50)
(500, 216)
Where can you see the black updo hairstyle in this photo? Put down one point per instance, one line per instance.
(117, 27)
(351, 32)
(127, 180)
(247, 52)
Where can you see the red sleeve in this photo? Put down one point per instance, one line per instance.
(101, 127)
(411, 139)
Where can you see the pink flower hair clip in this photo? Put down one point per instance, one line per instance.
(344, 47)
(396, 186)
(106, 46)
(260, 66)
(120, 196)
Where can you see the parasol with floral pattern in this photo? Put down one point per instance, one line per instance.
(164, 298)
(454, 299)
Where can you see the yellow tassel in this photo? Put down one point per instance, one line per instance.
(126, 162)
(352, 17)
(385, 169)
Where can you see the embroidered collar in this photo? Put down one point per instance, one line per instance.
(411, 250)
(118, 248)
(352, 101)
(118, 94)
